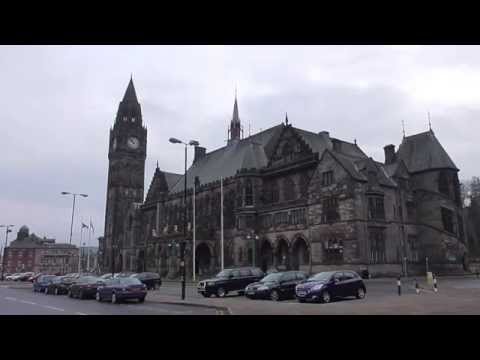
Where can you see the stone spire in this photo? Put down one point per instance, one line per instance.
(235, 126)
(130, 94)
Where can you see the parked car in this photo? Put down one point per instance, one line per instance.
(326, 286)
(85, 287)
(124, 274)
(59, 285)
(42, 282)
(151, 280)
(119, 289)
(11, 276)
(229, 280)
(276, 286)
(22, 276)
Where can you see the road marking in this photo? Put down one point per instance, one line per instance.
(10, 298)
(28, 302)
(53, 308)
(80, 313)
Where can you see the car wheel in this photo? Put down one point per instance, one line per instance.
(56, 291)
(70, 295)
(326, 297)
(46, 291)
(274, 295)
(221, 292)
(81, 295)
(301, 300)
(141, 300)
(98, 297)
(241, 293)
(114, 299)
(207, 295)
(360, 293)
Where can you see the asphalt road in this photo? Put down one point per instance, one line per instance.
(21, 300)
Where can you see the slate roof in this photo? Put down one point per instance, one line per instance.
(162, 181)
(424, 152)
(225, 162)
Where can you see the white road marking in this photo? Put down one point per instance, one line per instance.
(52, 308)
(80, 313)
(28, 302)
(10, 298)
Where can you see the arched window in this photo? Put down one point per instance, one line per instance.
(289, 189)
(249, 192)
(275, 193)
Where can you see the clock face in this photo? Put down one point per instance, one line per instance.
(133, 143)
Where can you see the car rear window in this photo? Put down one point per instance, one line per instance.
(129, 281)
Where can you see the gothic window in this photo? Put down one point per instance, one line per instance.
(275, 193)
(330, 210)
(304, 184)
(377, 246)
(124, 118)
(443, 180)
(447, 219)
(289, 189)
(240, 255)
(249, 193)
(327, 178)
(133, 119)
(413, 249)
(376, 208)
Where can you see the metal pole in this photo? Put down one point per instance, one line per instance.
(221, 222)
(182, 262)
(426, 264)
(80, 251)
(88, 244)
(5, 250)
(254, 245)
(194, 232)
(73, 212)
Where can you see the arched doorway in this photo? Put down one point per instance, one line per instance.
(282, 254)
(203, 259)
(266, 256)
(300, 254)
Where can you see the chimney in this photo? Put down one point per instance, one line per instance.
(200, 152)
(337, 145)
(324, 133)
(390, 156)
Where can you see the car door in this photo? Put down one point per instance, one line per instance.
(289, 281)
(349, 283)
(336, 288)
(234, 282)
(247, 277)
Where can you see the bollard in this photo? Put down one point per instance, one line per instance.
(417, 289)
(399, 285)
(435, 283)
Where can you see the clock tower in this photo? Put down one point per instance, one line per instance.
(126, 172)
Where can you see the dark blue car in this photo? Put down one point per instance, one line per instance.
(42, 282)
(326, 286)
(119, 289)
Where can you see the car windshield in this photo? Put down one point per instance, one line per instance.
(272, 277)
(88, 280)
(323, 276)
(224, 274)
(129, 281)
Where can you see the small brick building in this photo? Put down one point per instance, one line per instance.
(29, 252)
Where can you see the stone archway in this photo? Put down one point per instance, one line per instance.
(266, 256)
(300, 254)
(282, 259)
(203, 259)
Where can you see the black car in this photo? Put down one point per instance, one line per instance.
(230, 280)
(85, 287)
(59, 285)
(151, 280)
(326, 286)
(276, 286)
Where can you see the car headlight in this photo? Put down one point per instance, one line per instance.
(317, 287)
(210, 283)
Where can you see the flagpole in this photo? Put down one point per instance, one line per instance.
(80, 249)
(221, 222)
(194, 232)
(88, 244)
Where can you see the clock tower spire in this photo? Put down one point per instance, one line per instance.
(126, 173)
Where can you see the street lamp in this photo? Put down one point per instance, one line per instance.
(182, 247)
(7, 230)
(254, 237)
(73, 209)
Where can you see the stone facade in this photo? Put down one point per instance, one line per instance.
(295, 199)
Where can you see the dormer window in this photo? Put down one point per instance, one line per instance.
(133, 119)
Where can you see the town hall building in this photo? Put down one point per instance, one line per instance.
(292, 199)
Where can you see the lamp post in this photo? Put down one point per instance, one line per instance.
(254, 237)
(7, 230)
(183, 243)
(73, 209)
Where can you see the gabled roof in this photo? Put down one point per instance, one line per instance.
(161, 183)
(368, 164)
(226, 161)
(422, 152)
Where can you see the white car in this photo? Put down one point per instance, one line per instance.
(10, 277)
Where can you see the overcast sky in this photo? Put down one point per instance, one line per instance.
(59, 102)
